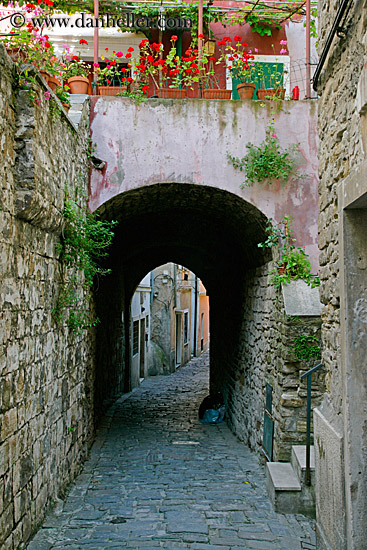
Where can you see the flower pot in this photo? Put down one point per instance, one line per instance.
(53, 82)
(172, 93)
(246, 90)
(45, 75)
(78, 84)
(212, 93)
(16, 55)
(111, 90)
(268, 93)
(66, 107)
(281, 269)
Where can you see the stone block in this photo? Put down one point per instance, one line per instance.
(330, 503)
(290, 399)
(301, 300)
(9, 423)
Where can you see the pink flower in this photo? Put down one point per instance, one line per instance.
(47, 95)
(256, 50)
(119, 54)
(95, 64)
(283, 50)
(283, 42)
(273, 136)
(38, 101)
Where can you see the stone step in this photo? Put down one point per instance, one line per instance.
(282, 476)
(286, 493)
(298, 461)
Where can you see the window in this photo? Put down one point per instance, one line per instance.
(135, 337)
(186, 327)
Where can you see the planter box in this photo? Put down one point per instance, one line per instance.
(172, 93)
(212, 93)
(111, 90)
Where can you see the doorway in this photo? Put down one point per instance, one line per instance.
(178, 339)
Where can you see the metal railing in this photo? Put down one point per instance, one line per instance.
(308, 375)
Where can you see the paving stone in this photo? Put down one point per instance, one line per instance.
(161, 479)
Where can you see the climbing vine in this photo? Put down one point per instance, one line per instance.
(268, 161)
(86, 239)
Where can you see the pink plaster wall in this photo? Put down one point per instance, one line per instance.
(187, 141)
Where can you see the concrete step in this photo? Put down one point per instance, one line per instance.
(286, 492)
(298, 461)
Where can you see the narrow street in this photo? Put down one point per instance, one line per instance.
(158, 478)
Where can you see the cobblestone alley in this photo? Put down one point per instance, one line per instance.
(158, 478)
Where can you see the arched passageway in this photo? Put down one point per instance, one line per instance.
(215, 234)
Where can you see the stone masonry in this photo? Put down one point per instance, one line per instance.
(265, 356)
(340, 422)
(46, 372)
(158, 478)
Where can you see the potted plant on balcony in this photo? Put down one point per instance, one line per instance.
(168, 75)
(274, 79)
(109, 75)
(75, 72)
(239, 63)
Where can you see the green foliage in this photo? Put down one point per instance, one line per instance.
(306, 347)
(294, 263)
(313, 29)
(136, 95)
(263, 27)
(268, 161)
(86, 238)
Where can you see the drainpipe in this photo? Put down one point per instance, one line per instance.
(95, 45)
(151, 288)
(175, 294)
(308, 49)
(200, 29)
(196, 317)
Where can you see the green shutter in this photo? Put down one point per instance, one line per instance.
(270, 73)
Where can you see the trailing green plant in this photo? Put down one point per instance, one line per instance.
(86, 239)
(262, 26)
(268, 161)
(306, 347)
(294, 263)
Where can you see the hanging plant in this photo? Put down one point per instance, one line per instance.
(268, 161)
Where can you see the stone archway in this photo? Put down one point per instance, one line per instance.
(215, 234)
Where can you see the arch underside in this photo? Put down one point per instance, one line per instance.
(213, 233)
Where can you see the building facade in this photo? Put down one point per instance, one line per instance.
(341, 421)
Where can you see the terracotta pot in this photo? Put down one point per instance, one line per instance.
(66, 107)
(45, 75)
(111, 90)
(172, 93)
(53, 83)
(281, 269)
(266, 93)
(212, 93)
(246, 90)
(78, 84)
(16, 54)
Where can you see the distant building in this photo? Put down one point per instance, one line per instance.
(169, 321)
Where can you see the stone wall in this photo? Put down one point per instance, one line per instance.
(46, 372)
(341, 466)
(264, 355)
